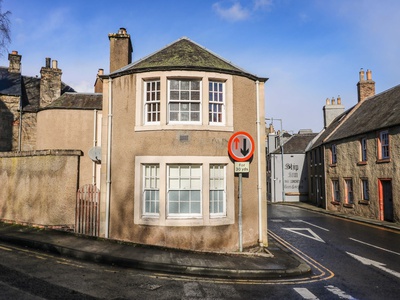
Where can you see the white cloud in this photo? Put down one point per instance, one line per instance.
(262, 4)
(233, 13)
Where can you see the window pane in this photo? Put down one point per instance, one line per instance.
(174, 95)
(174, 85)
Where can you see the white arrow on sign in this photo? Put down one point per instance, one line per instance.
(313, 236)
(370, 262)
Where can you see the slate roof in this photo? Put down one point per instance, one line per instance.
(11, 83)
(184, 54)
(297, 143)
(374, 113)
(82, 101)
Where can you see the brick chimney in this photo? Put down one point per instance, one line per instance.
(50, 82)
(98, 84)
(365, 87)
(332, 110)
(15, 62)
(120, 49)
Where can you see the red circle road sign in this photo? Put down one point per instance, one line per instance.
(241, 146)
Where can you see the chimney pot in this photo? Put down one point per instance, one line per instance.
(333, 101)
(339, 100)
(361, 74)
(48, 60)
(369, 75)
(100, 72)
(14, 52)
(327, 101)
(54, 64)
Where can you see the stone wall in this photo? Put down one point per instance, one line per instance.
(39, 187)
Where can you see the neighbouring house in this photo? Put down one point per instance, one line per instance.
(287, 177)
(167, 178)
(44, 150)
(18, 132)
(332, 112)
(360, 155)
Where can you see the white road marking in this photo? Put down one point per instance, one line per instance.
(374, 246)
(311, 224)
(306, 294)
(314, 235)
(338, 292)
(376, 264)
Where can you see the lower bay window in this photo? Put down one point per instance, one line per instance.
(184, 191)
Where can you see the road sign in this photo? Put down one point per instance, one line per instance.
(241, 146)
(242, 167)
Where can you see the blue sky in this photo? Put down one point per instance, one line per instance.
(309, 49)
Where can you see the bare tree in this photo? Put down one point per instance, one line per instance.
(5, 38)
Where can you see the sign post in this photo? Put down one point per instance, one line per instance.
(241, 149)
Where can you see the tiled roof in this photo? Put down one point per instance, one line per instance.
(77, 101)
(184, 54)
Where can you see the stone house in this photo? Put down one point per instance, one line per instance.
(166, 176)
(360, 151)
(33, 169)
(30, 93)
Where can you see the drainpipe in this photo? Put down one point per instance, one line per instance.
(260, 234)
(109, 131)
(20, 118)
(94, 145)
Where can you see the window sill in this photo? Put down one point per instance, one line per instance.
(183, 127)
(363, 202)
(348, 205)
(362, 163)
(335, 203)
(383, 161)
(332, 165)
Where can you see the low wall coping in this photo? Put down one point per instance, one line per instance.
(54, 152)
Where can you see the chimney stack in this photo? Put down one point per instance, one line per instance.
(332, 109)
(98, 84)
(15, 62)
(50, 82)
(365, 87)
(120, 49)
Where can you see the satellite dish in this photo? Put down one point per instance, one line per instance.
(95, 154)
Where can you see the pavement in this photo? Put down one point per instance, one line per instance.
(272, 262)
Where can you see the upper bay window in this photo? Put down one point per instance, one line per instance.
(187, 100)
(184, 101)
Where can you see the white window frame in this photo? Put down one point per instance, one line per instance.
(205, 219)
(216, 102)
(348, 183)
(384, 145)
(183, 187)
(217, 184)
(364, 189)
(151, 184)
(153, 101)
(363, 149)
(335, 190)
(182, 102)
(334, 154)
(164, 124)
